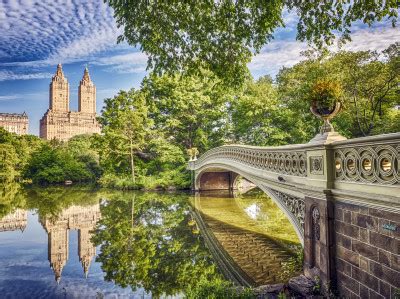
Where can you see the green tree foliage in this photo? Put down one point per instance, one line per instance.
(126, 130)
(81, 147)
(8, 162)
(15, 152)
(257, 118)
(57, 164)
(218, 288)
(152, 128)
(389, 124)
(372, 83)
(221, 36)
(148, 240)
(50, 201)
(370, 88)
(189, 110)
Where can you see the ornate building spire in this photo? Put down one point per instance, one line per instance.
(86, 76)
(59, 91)
(86, 264)
(87, 94)
(59, 75)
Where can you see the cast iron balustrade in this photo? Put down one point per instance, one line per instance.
(283, 161)
(372, 160)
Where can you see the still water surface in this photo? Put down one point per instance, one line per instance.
(68, 242)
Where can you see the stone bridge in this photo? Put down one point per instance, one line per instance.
(342, 197)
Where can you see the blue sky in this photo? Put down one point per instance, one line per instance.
(37, 35)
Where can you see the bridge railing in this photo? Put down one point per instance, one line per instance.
(290, 160)
(369, 164)
(370, 160)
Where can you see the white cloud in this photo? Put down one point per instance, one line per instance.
(37, 34)
(276, 55)
(8, 75)
(21, 96)
(286, 53)
(8, 97)
(135, 62)
(290, 19)
(376, 40)
(138, 57)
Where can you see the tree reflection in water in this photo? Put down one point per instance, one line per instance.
(12, 197)
(146, 240)
(150, 240)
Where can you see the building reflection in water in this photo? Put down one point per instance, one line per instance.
(14, 221)
(81, 218)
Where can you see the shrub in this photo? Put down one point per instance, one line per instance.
(218, 289)
(293, 266)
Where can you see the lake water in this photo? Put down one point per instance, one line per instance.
(70, 242)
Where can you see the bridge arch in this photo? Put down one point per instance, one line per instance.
(292, 206)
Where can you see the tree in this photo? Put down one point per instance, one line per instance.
(15, 153)
(8, 162)
(12, 197)
(372, 85)
(82, 149)
(125, 125)
(221, 36)
(390, 124)
(369, 81)
(190, 111)
(56, 165)
(52, 200)
(257, 117)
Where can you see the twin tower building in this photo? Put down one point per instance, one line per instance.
(59, 122)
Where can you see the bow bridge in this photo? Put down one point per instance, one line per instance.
(341, 196)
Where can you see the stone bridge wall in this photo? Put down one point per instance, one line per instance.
(367, 251)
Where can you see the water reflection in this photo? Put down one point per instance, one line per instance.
(148, 244)
(57, 225)
(81, 218)
(14, 221)
(151, 241)
(251, 237)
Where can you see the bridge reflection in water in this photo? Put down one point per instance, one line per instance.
(250, 238)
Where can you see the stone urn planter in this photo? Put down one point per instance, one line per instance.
(326, 114)
(325, 104)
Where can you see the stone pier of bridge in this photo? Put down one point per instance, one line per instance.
(341, 196)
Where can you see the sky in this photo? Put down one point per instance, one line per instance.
(37, 35)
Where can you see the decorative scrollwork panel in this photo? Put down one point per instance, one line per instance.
(370, 164)
(315, 221)
(294, 204)
(316, 165)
